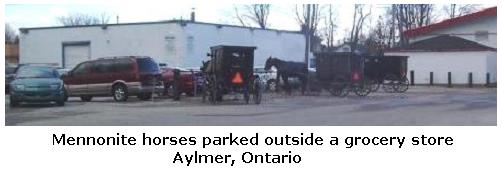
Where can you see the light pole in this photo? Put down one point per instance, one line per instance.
(307, 44)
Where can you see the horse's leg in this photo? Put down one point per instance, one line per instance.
(286, 84)
(304, 84)
(277, 82)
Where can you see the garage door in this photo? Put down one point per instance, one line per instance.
(75, 54)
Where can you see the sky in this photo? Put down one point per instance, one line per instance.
(282, 16)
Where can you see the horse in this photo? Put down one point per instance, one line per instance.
(286, 69)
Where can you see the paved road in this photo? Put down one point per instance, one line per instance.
(419, 106)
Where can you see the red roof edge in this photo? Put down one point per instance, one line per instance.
(450, 50)
(449, 22)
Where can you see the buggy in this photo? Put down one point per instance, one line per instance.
(230, 71)
(388, 72)
(341, 72)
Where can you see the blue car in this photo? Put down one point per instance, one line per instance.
(37, 84)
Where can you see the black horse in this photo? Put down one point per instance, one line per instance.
(286, 69)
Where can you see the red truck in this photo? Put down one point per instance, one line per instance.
(190, 80)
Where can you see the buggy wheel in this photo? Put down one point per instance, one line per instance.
(246, 97)
(213, 91)
(362, 89)
(375, 85)
(402, 86)
(257, 91)
(314, 88)
(204, 95)
(339, 90)
(389, 83)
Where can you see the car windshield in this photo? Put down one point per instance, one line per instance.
(260, 70)
(10, 70)
(147, 65)
(36, 72)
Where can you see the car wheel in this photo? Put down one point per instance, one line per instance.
(60, 102)
(86, 98)
(65, 95)
(145, 96)
(189, 93)
(169, 90)
(120, 93)
(13, 103)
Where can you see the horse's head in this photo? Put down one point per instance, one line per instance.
(269, 63)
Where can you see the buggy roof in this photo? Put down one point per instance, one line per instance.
(389, 56)
(231, 47)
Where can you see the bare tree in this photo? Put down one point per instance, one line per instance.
(330, 26)
(308, 21)
(308, 17)
(456, 10)
(410, 16)
(10, 34)
(381, 36)
(357, 24)
(240, 17)
(76, 19)
(257, 13)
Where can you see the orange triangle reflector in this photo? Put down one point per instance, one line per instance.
(237, 78)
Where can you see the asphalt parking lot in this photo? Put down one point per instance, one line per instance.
(419, 106)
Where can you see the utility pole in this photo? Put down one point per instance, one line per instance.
(307, 44)
(307, 36)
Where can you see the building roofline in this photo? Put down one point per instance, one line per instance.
(449, 50)
(492, 11)
(443, 43)
(181, 22)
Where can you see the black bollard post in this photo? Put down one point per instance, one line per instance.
(431, 78)
(194, 81)
(176, 83)
(449, 79)
(487, 79)
(470, 79)
(412, 77)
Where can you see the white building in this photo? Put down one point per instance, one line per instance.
(461, 45)
(177, 43)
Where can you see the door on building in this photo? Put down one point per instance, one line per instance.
(75, 53)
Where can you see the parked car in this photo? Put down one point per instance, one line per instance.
(36, 84)
(190, 80)
(10, 74)
(268, 78)
(62, 71)
(119, 77)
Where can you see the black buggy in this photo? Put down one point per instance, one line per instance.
(230, 71)
(342, 72)
(387, 71)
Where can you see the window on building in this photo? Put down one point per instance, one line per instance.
(481, 35)
(312, 63)
(170, 43)
(190, 44)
